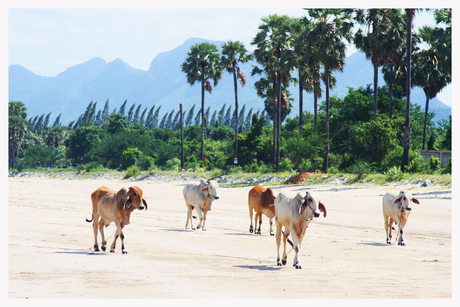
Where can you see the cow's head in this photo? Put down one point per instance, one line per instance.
(134, 199)
(403, 201)
(311, 202)
(210, 188)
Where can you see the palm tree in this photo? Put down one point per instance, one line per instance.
(232, 54)
(202, 64)
(17, 126)
(330, 28)
(428, 74)
(274, 52)
(373, 43)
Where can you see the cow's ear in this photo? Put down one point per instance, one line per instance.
(127, 203)
(145, 203)
(204, 189)
(322, 209)
(415, 200)
(303, 206)
(397, 200)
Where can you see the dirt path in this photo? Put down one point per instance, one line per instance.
(343, 255)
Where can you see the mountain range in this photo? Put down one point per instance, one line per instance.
(165, 85)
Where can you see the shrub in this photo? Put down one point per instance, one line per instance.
(286, 165)
(145, 163)
(129, 157)
(394, 174)
(172, 164)
(131, 171)
(448, 168)
(434, 163)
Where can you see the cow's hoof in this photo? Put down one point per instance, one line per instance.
(96, 249)
(297, 266)
(112, 251)
(103, 248)
(272, 234)
(402, 243)
(284, 262)
(203, 229)
(124, 251)
(278, 263)
(388, 242)
(251, 230)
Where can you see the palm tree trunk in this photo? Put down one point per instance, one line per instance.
(426, 119)
(202, 116)
(274, 111)
(300, 105)
(315, 127)
(326, 149)
(376, 90)
(390, 94)
(278, 128)
(235, 150)
(182, 164)
(407, 128)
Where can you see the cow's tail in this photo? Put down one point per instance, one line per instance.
(89, 221)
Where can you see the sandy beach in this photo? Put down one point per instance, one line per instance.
(345, 255)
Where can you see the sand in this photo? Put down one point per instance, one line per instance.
(50, 246)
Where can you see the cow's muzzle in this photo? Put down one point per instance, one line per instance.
(315, 214)
(141, 208)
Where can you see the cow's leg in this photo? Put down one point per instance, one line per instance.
(296, 243)
(189, 217)
(117, 234)
(271, 226)
(101, 230)
(204, 220)
(278, 242)
(95, 223)
(387, 226)
(200, 216)
(401, 239)
(256, 223)
(251, 229)
(260, 223)
(285, 235)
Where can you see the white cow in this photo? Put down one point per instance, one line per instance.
(294, 213)
(396, 208)
(199, 196)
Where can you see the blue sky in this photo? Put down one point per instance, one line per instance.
(48, 40)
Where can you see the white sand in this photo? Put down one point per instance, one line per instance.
(343, 255)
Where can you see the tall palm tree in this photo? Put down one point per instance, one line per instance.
(331, 27)
(407, 129)
(274, 52)
(428, 74)
(17, 126)
(202, 64)
(232, 54)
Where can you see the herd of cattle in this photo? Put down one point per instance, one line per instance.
(293, 212)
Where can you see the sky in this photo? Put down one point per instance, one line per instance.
(52, 38)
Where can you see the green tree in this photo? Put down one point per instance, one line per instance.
(330, 28)
(428, 74)
(232, 54)
(202, 64)
(17, 126)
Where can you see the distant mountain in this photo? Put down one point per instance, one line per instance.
(165, 85)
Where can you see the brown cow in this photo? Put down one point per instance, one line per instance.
(261, 200)
(112, 206)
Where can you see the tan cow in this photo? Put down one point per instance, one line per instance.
(261, 201)
(396, 208)
(112, 206)
(294, 213)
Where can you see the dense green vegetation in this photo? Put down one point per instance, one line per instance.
(361, 133)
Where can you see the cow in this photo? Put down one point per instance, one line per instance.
(396, 208)
(112, 206)
(294, 213)
(199, 196)
(261, 201)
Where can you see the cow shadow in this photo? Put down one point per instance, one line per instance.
(89, 253)
(259, 267)
(373, 244)
(178, 230)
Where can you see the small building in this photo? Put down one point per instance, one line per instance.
(444, 156)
